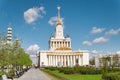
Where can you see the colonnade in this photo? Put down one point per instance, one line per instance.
(58, 44)
(64, 60)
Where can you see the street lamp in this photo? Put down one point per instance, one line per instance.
(38, 55)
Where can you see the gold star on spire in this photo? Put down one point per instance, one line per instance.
(59, 20)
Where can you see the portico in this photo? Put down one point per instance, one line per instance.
(66, 59)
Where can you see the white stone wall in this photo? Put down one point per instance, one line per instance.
(71, 59)
(43, 59)
(85, 58)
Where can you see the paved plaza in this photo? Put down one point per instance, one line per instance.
(33, 74)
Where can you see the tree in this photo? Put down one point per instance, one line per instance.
(3, 55)
(12, 55)
(92, 61)
(115, 60)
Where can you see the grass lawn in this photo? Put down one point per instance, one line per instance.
(77, 76)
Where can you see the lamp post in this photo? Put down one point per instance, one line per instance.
(38, 56)
(39, 59)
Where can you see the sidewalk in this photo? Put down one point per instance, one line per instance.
(33, 74)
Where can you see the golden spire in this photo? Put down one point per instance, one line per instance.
(59, 20)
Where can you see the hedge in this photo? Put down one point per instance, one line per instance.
(111, 76)
(113, 69)
(76, 69)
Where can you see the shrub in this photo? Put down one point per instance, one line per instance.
(51, 68)
(111, 76)
(113, 69)
(76, 69)
(89, 70)
(68, 71)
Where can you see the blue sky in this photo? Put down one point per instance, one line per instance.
(92, 24)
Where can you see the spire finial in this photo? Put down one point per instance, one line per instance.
(59, 21)
(58, 11)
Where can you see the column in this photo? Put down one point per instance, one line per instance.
(65, 60)
(68, 60)
(79, 60)
(56, 44)
(61, 60)
(73, 60)
(67, 44)
(50, 44)
(53, 45)
(48, 59)
(62, 43)
(71, 64)
(56, 60)
(70, 44)
(59, 44)
(51, 60)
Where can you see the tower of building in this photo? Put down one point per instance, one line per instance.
(58, 41)
(59, 27)
(9, 34)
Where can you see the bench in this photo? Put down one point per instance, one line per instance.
(4, 77)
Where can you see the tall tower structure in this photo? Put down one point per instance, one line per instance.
(9, 34)
(59, 26)
(58, 41)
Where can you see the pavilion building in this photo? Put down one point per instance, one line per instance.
(60, 52)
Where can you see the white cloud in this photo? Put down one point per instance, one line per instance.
(118, 52)
(33, 14)
(32, 49)
(113, 32)
(94, 52)
(53, 20)
(97, 30)
(87, 43)
(100, 40)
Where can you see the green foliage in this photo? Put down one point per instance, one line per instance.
(51, 68)
(69, 71)
(113, 69)
(12, 55)
(62, 76)
(111, 76)
(66, 70)
(1, 73)
(76, 69)
(11, 74)
(92, 62)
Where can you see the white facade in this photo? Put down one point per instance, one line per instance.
(114, 59)
(60, 52)
(63, 58)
